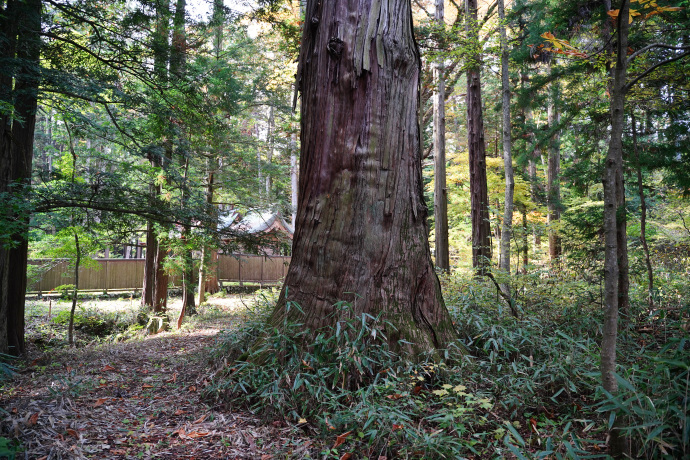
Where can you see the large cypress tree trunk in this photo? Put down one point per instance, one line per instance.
(481, 226)
(361, 232)
(20, 31)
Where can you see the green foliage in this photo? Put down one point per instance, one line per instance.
(653, 398)
(7, 369)
(9, 448)
(91, 323)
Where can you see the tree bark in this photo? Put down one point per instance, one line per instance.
(149, 267)
(613, 166)
(20, 31)
(643, 218)
(75, 293)
(507, 229)
(361, 234)
(553, 192)
(440, 190)
(481, 226)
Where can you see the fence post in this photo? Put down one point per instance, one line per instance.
(239, 270)
(107, 276)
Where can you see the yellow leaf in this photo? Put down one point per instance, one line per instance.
(302, 421)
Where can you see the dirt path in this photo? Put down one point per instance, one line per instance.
(139, 399)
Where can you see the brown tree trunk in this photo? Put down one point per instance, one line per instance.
(612, 174)
(361, 233)
(553, 186)
(75, 293)
(643, 218)
(440, 191)
(507, 230)
(481, 226)
(20, 30)
(160, 286)
(149, 267)
(525, 240)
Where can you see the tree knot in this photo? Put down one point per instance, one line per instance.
(335, 47)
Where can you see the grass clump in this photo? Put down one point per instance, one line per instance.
(347, 388)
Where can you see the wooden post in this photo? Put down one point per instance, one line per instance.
(239, 269)
(107, 275)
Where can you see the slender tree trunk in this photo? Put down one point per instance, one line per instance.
(440, 190)
(293, 178)
(525, 240)
(614, 162)
(361, 233)
(149, 267)
(476, 145)
(20, 33)
(622, 245)
(507, 230)
(75, 293)
(643, 218)
(205, 258)
(269, 154)
(553, 192)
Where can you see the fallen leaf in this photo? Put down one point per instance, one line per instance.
(200, 419)
(14, 410)
(533, 423)
(192, 389)
(146, 385)
(33, 419)
(72, 433)
(198, 434)
(341, 439)
(398, 427)
(108, 368)
(118, 452)
(178, 412)
(383, 457)
(301, 421)
(100, 402)
(394, 397)
(172, 379)
(346, 456)
(266, 457)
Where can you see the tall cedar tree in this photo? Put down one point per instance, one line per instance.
(481, 226)
(440, 190)
(20, 27)
(361, 233)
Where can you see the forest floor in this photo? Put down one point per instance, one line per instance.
(141, 398)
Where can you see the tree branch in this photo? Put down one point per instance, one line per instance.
(652, 69)
(655, 45)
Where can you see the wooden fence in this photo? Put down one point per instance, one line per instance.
(128, 274)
